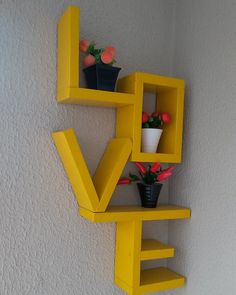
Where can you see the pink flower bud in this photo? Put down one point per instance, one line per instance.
(106, 57)
(155, 114)
(124, 181)
(169, 169)
(89, 60)
(163, 176)
(141, 168)
(145, 117)
(155, 167)
(84, 45)
(165, 117)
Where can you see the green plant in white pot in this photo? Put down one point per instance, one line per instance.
(152, 130)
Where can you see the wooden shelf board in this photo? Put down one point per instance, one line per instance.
(153, 249)
(155, 157)
(125, 213)
(153, 82)
(122, 285)
(158, 279)
(92, 97)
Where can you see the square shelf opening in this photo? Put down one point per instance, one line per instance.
(161, 94)
(169, 97)
(162, 99)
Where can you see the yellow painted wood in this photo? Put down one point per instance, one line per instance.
(93, 195)
(173, 101)
(155, 83)
(68, 52)
(126, 288)
(130, 252)
(128, 120)
(91, 97)
(170, 95)
(170, 98)
(154, 280)
(126, 213)
(127, 261)
(125, 121)
(125, 114)
(158, 279)
(76, 168)
(155, 157)
(68, 87)
(153, 249)
(129, 98)
(109, 170)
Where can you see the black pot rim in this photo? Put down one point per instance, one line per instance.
(146, 184)
(101, 66)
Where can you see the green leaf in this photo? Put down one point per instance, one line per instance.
(97, 58)
(91, 48)
(155, 122)
(134, 177)
(149, 178)
(145, 125)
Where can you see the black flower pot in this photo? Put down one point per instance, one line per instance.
(101, 77)
(149, 194)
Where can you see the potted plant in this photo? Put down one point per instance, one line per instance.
(148, 182)
(151, 130)
(99, 71)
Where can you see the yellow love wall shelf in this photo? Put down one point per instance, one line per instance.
(93, 194)
(128, 100)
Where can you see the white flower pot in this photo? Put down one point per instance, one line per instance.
(150, 139)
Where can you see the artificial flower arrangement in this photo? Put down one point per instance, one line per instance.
(156, 120)
(97, 55)
(148, 181)
(151, 130)
(98, 62)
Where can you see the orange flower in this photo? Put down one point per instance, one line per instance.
(106, 57)
(89, 60)
(111, 50)
(84, 45)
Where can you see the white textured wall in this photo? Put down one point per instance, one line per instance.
(45, 246)
(206, 57)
